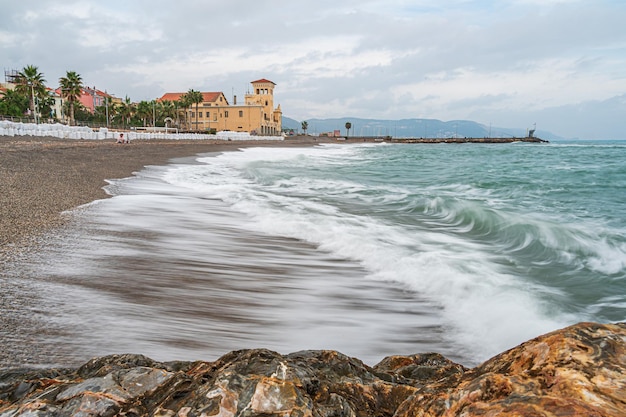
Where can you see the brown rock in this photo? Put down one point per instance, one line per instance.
(426, 370)
(577, 371)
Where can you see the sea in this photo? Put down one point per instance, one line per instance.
(371, 249)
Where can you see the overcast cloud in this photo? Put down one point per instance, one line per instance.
(511, 63)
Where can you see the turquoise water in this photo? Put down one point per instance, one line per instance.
(372, 249)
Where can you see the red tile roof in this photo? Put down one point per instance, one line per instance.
(209, 97)
(171, 96)
(263, 80)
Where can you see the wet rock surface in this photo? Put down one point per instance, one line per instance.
(576, 371)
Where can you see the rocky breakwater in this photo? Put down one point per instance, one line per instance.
(576, 371)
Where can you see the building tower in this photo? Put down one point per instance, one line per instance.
(263, 95)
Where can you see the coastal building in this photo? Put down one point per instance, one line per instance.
(91, 97)
(56, 109)
(256, 115)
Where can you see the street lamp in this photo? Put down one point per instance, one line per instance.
(106, 103)
(32, 93)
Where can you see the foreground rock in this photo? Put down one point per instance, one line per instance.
(577, 371)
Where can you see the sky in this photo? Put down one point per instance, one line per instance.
(559, 64)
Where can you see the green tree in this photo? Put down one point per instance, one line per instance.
(105, 110)
(46, 106)
(185, 104)
(166, 108)
(13, 104)
(348, 127)
(305, 126)
(125, 111)
(71, 90)
(82, 114)
(177, 110)
(195, 97)
(31, 84)
(144, 111)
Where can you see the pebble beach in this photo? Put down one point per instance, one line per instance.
(41, 177)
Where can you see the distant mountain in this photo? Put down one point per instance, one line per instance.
(411, 128)
(289, 123)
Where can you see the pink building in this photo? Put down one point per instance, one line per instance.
(91, 98)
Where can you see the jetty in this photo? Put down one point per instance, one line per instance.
(530, 139)
(391, 139)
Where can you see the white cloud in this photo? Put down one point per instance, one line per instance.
(452, 59)
(7, 38)
(542, 84)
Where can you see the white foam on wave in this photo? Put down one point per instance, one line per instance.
(485, 308)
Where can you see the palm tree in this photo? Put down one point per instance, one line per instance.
(178, 105)
(166, 109)
(305, 126)
(105, 112)
(195, 97)
(30, 83)
(125, 110)
(144, 110)
(71, 90)
(348, 127)
(185, 104)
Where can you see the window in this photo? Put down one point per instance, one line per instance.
(240, 113)
(225, 113)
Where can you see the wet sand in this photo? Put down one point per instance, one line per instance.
(40, 177)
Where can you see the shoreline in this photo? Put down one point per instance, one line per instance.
(41, 177)
(46, 175)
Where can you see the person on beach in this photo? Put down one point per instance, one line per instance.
(121, 138)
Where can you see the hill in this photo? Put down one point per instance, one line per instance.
(412, 128)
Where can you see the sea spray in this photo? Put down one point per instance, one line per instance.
(372, 250)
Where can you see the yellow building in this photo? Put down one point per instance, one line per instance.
(256, 115)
